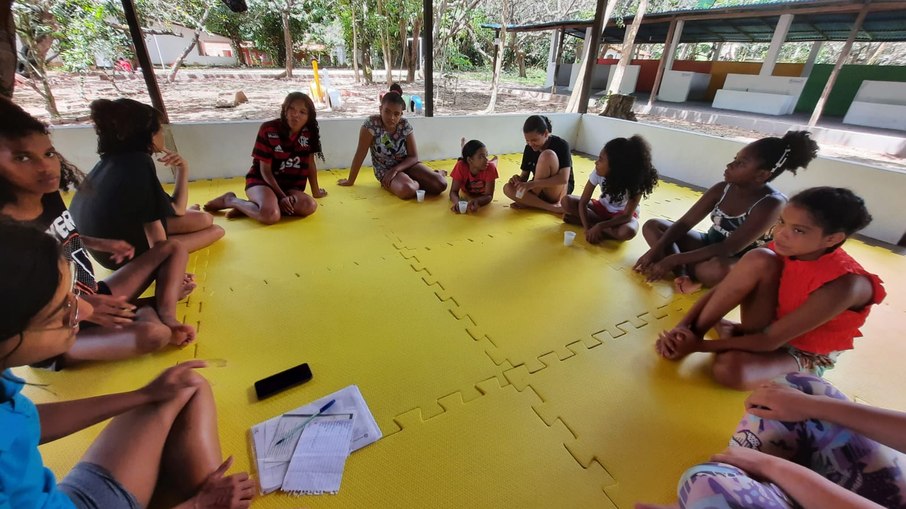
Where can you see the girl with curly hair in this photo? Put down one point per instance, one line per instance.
(625, 175)
(742, 208)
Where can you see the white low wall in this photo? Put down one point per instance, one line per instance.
(217, 150)
(701, 159)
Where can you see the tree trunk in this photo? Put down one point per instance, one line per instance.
(385, 43)
(240, 56)
(404, 39)
(413, 57)
(355, 44)
(619, 106)
(628, 42)
(492, 104)
(176, 65)
(288, 40)
(520, 61)
(366, 66)
(7, 49)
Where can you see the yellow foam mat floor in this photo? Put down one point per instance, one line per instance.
(504, 369)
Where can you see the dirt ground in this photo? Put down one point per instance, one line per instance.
(195, 94)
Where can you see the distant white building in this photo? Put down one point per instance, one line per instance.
(212, 50)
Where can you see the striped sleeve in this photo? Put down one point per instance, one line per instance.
(263, 150)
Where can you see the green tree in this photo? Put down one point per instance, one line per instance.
(233, 25)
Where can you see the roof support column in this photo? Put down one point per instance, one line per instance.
(812, 56)
(578, 101)
(141, 53)
(673, 36)
(558, 58)
(552, 59)
(672, 43)
(428, 12)
(780, 33)
(844, 54)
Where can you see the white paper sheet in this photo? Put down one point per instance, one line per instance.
(318, 460)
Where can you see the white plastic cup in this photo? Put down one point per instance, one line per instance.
(463, 206)
(568, 237)
(420, 195)
(520, 193)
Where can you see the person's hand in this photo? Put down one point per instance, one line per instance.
(658, 270)
(109, 311)
(677, 343)
(594, 234)
(288, 204)
(514, 180)
(389, 176)
(455, 207)
(119, 250)
(174, 161)
(473, 206)
(231, 492)
(755, 463)
(345, 182)
(780, 403)
(319, 193)
(646, 260)
(173, 380)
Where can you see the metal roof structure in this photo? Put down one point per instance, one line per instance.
(753, 23)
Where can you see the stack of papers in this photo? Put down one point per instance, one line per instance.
(310, 460)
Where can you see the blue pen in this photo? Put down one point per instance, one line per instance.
(302, 426)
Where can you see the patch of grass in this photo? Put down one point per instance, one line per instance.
(535, 76)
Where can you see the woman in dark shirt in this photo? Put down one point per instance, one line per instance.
(122, 197)
(549, 164)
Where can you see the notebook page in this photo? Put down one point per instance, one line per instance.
(320, 456)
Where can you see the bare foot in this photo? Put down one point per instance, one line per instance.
(188, 284)
(685, 285)
(517, 205)
(180, 333)
(220, 202)
(234, 213)
(195, 207)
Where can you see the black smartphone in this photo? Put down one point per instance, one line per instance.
(283, 380)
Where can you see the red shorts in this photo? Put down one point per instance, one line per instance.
(601, 211)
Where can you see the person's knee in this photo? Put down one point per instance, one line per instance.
(509, 190)
(548, 160)
(308, 206)
(624, 234)
(151, 336)
(269, 215)
(405, 190)
(762, 261)
(437, 185)
(730, 369)
(204, 219)
(654, 227)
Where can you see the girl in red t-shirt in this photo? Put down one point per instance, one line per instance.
(474, 176)
(802, 298)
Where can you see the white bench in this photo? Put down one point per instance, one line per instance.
(771, 95)
(681, 86)
(879, 104)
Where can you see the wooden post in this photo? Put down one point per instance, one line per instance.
(559, 58)
(497, 45)
(844, 54)
(141, 53)
(429, 57)
(591, 54)
(662, 65)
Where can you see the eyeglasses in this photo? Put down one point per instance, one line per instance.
(70, 308)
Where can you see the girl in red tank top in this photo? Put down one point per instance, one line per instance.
(803, 298)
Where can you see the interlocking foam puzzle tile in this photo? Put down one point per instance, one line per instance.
(378, 326)
(644, 419)
(490, 452)
(531, 295)
(425, 311)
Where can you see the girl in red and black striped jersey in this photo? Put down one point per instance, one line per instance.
(283, 163)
